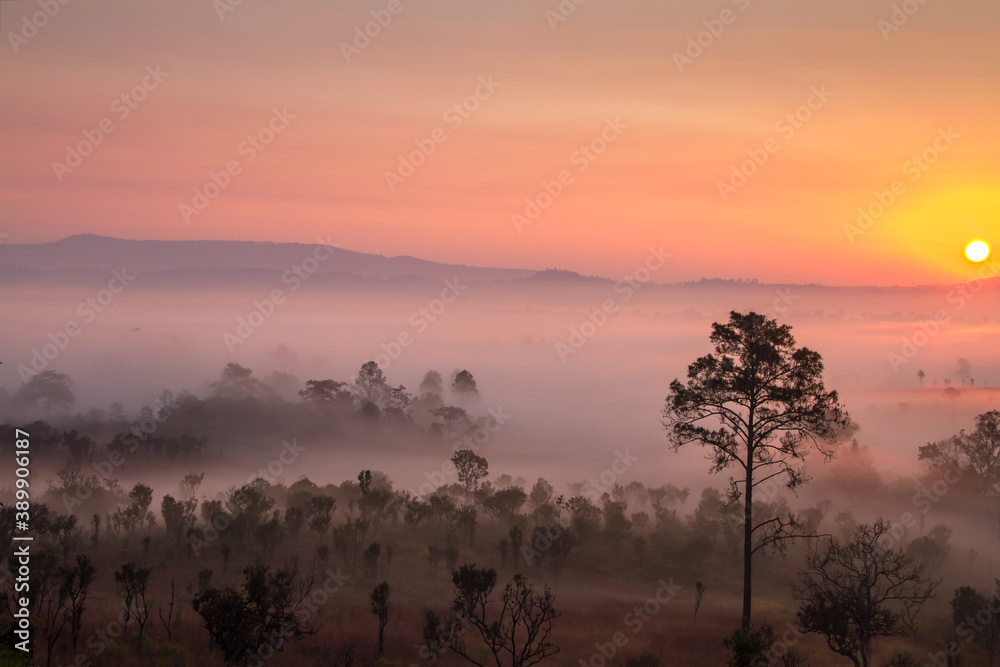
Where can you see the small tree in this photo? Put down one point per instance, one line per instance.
(168, 622)
(749, 647)
(132, 583)
(248, 507)
(137, 512)
(977, 452)
(699, 593)
(464, 385)
(521, 633)
(76, 582)
(471, 468)
(432, 383)
(48, 390)
(967, 613)
(262, 614)
(852, 593)
(371, 556)
(319, 513)
(189, 485)
(178, 516)
(963, 370)
(48, 600)
(380, 607)
(370, 385)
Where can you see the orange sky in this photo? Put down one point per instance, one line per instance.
(892, 96)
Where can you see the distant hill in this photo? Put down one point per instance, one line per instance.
(92, 252)
(85, 257)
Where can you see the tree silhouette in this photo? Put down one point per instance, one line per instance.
(432, 383)
(319, 513)
(963, 371)
(380, 607)
(178, 515)
(977, 452)
(464, 385)
(471, 468)
(324, 392)
(453, 417)
(132, 583)
(237, 382)
(76, 582)
(49, 390)
(967, 615)
(519, 636)
(852, 593)
(370, 385)
(48, 600)
(260, 616)
(758, 403)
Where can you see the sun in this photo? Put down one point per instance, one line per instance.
(977, 251)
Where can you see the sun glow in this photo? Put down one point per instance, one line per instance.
(977, 251)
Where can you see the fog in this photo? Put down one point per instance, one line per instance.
(572, 374)
(573, 399)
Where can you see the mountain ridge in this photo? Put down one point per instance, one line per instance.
(93, 252)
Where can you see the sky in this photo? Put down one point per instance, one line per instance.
(850, 142)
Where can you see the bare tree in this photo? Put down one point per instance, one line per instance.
(169, 620)
(519, 636)
(49, 600)
(132, 584)
(380, 607)
(76, 584)
(854, 592)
